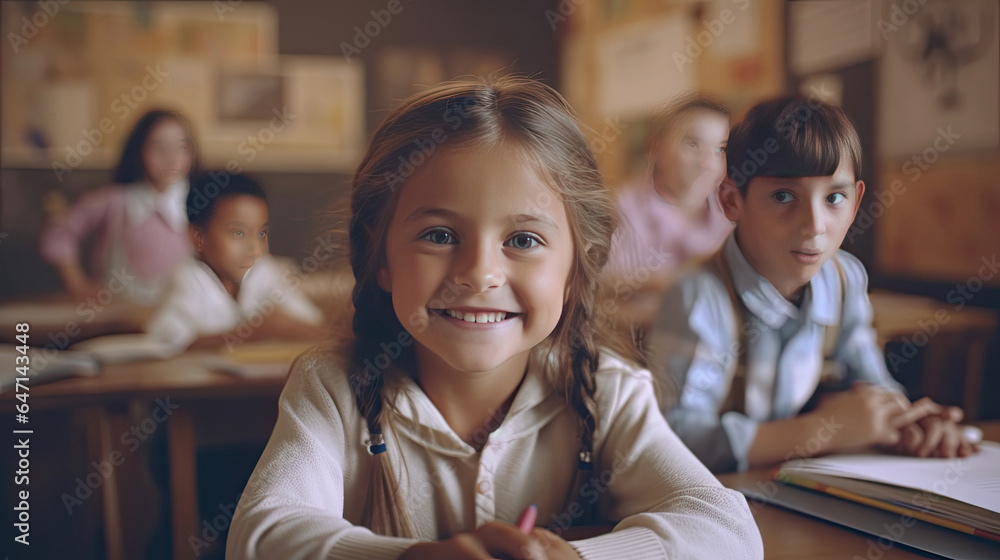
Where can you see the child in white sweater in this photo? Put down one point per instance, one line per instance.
(477, 381)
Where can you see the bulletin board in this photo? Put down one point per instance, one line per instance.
(74, 83)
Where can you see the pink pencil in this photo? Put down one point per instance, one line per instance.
(526, 521)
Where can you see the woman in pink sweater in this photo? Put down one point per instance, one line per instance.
(139, 221)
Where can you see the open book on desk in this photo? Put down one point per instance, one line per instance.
(247, 359)
(960, 494)
(885, 525)
(123, 348)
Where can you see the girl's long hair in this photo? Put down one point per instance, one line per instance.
(130, 167)
(536, 120)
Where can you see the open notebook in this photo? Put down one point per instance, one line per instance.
(44, 366)
(133, 347)
(251, 360)
(960, 494)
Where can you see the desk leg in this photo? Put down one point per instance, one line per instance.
(934, 369)
(974, 377)
(183, 482)
(101, 445)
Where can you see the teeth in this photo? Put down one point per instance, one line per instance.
(477, 317)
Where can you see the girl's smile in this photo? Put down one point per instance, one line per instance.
(476, 316)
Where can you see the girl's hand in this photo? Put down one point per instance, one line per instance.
(78, 285)
(495, 540)
(555, 547)
(870, 415)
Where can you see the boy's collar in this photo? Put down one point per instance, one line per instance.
(218, 281)
(820, 300)
(211, 273)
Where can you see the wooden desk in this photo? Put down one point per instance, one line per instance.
(104, 402)
(789, 535)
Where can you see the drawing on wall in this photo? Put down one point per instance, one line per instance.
(941, 63)
(942, 39)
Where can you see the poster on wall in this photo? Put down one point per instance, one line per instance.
(829, 35)
(642, 64)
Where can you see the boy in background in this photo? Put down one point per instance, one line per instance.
(233, 290)
(747, 340)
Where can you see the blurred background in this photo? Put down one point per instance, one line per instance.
(289, 91)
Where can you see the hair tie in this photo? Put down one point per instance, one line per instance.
(378, 444)
(585, 463)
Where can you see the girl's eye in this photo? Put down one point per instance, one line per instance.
(782, 196)
(691, 143)
(836, 198)
(721, 149)
(238, 233)
(263, 234)
(524, 241)
(439, 237)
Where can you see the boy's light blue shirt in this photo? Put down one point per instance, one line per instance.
(695, 349)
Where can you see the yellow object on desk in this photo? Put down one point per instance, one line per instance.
(267, 352)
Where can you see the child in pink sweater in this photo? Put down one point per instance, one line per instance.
(139, 221)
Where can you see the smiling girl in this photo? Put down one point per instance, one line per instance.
(477, 381)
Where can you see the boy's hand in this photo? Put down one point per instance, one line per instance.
(936, 435)
(870, 415)
(495, 540)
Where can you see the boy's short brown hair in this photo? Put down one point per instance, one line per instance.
(791, 137)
